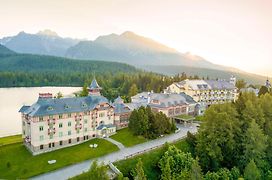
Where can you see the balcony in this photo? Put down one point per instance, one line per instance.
(51, 131)
(78, 126)
(51, 121)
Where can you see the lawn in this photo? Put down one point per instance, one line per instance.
(17, 162)
(10, 140)
(185, 117)
(126, 137)
(150, 161)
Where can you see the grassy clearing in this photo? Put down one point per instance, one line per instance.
(126, 137)
(10, 140)
(17, 162)
(150, 161)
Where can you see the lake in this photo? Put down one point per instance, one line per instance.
(12, 99)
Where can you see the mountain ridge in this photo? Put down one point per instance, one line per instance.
(44, 42)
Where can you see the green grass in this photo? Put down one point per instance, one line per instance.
(126, 137)
(10, 140)
(17, 162)
(150, 161)
(185, 117)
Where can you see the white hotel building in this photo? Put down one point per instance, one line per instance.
(50, 124)
(207, 92)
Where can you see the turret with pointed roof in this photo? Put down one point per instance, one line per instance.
(94, 88)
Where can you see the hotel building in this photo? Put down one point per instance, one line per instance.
(50, 124)
(207, 92)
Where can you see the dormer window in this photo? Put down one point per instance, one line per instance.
(66, 106)
(84, 105)
(50, 108)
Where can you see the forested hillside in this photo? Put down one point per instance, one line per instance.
(36, 70)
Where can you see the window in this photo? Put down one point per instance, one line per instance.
(69, 115)
(50, 108)
(41, 146)
(69, 141)
(60, 134)
(23, 123)
(60, 125)
(41, 128)
(101, 114)
(85, 113)
(78, 139)
(60, 116)
(60, 143)
(69, 123)
(41, 138)
(51, 136)
(85, 129)
(40, 118)
(50, 116)
(85, 121)
(69, 133)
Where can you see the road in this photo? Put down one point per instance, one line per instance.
(123, 153)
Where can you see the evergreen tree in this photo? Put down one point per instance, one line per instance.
(252, 112)
(84, 91)
(166, 171)
(251, 171)
(138, 173)
(216, 141)
(98, 172)
(196, 172)
(180, 164)
(133, 90)
(255, 144)
(240, 84)
(263, 90)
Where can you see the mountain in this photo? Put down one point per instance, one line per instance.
(44, 42)
(5, 51)
(204, 72)
(133, 49)
(127, 47)
(29, 70)
(16, 62)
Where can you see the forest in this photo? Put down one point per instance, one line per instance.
(233, 142)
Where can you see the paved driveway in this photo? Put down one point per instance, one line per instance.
(123, 153)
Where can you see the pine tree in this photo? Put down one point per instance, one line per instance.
(133, 90)
(166, 171)
(196, 173)
(98, 172)
(138, 173)
(251, 171)
(255, 143)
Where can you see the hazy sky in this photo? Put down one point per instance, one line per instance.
(236, 33)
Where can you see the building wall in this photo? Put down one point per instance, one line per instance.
(82, 126)
(212, 96)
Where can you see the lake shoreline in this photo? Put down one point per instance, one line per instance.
(13, 98)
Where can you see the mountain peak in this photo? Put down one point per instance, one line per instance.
(128, 34)
(47, 32)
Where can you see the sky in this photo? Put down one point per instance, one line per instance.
(235, 33)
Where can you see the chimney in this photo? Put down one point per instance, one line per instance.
(45, 96)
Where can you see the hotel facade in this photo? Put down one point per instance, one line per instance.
(51, 124)
(207, 92)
